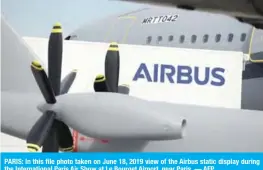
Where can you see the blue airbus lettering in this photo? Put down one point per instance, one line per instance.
(181, 74)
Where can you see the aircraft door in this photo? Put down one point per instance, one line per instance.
(119, 30)
(256, 46)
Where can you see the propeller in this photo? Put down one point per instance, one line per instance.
(52, 134)
(109, 82)
(124, 89)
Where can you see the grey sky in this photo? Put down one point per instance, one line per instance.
(35, 17)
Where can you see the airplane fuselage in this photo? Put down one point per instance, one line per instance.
(173, 27)
(248, 11)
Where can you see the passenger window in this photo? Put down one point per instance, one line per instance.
(230, 37)
(160, 38)
(193, 39)
(149, 39)
(182, 37)
(243, 37)
(205, 38)
(171, 38)
(218, 37)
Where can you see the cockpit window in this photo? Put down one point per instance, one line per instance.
(230, 37)
(218, 37)
(205, 38)
(193, 38)
(243, 37)
(149, 39)
(170, 38)
(182, 37)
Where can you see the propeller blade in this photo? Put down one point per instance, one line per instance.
(112, 63)
(124, 89)
(40, 131)
(65, 138)
(67, 82)
(59, 138)
(43, 82)
(51, 142)
(55, 46)
(100, 84)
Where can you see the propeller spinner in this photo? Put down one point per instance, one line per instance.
(52, 134)
(109, 82)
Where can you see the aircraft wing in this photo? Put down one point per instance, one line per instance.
(256, 22)
(207, 130)
(245, 11)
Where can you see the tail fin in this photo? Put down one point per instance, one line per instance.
(16, 58)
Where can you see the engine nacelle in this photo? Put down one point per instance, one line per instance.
(116, 116)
